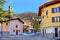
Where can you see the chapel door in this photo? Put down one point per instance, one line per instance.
(16, 32)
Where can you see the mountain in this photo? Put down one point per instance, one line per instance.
(27, 16)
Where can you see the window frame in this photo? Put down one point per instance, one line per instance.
(56, 19)
(56, 9)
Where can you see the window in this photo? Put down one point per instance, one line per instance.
(13, 30)
(47, 12)
(56, 19)
(59, 18)
(6, 23)
(59, 8)
(16, 26)
(55, 10)
(19, 30)
(52, 19)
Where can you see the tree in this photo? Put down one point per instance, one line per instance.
(3, 13)
(36, 25)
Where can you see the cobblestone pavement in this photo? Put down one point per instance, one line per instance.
(37, 37)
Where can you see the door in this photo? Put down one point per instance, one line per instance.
(43, 31)
(16, 32)
(56, 32)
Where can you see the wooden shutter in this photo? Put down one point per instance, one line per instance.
(59, 8)
(52, 10)
(53, 19)
(47, 12)
(59, 18)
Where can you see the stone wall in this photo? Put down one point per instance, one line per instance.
(5, 34)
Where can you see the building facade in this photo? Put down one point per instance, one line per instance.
(50, 16)
(13, 26)
(27, 25)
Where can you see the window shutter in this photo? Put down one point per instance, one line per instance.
(59, 8)
(59, 18)
(53, 19)
(47, 12)
(52, 10)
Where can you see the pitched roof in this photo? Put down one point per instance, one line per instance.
(13, 19)
(47, 4)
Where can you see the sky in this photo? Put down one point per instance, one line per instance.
(21, 6)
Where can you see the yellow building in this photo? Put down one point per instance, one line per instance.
(50, 16)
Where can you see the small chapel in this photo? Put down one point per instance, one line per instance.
(11, 26)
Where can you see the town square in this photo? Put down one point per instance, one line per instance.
(29, 19)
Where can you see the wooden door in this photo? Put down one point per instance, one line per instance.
(16, 32)
(56, 32)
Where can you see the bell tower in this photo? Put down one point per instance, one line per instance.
(10, 11)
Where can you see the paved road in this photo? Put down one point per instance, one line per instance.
(37, 37)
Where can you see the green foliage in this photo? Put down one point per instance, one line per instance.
(3, 13)
(36, 25)
(0, 19)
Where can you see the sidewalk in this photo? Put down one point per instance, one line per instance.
(37, 37)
